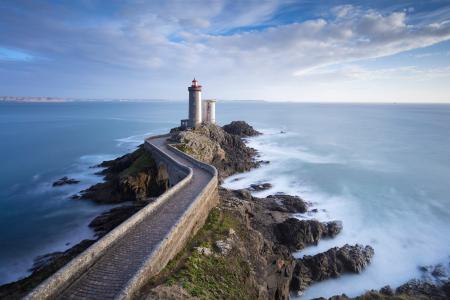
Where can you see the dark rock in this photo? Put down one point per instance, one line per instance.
(240, 128)
(260, 187)
(297, 234)
(44, 266)
(421, 289)
(112, 218)
(287, 203)
(439, 271)
(132, 177)
(333, 228)
(387, 290)
(446, 289)
(244, 194)
(65, 180)
(330, 264)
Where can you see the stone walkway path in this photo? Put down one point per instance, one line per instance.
(106, 278)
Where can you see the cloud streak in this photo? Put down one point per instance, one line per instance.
(243, 43)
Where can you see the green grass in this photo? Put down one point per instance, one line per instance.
(142, 164)
(214, 276)
(184, 148)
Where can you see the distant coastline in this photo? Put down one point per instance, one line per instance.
(32, 99)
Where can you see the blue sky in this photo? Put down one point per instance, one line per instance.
(357, 51)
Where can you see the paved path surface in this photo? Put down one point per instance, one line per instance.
(106, 278)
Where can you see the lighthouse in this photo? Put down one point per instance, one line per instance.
(199, 111)
(195, 104)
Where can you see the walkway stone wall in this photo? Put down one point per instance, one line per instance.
(188, 222)
(176, 174)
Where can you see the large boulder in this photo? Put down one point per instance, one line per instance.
(108, 220)
(241, 128)
(285, 203)
(330, 264)
(418, 289)
(296, 234)
(65, 180)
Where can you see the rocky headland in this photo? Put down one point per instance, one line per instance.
(131, 181)
(244, 250)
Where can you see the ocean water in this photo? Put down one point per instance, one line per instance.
(384, 170)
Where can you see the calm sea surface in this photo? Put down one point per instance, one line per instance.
(384, 170)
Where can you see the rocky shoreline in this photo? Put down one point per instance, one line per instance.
(245, 249)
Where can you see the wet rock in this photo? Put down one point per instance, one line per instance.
(112, 218)
(286, 203)
(260, 187)
(297, 234)
(240, 128)
(333, 228)
(44, 266)
(439, 271)
(418, 289)
(330, 264)
(387, 290)
(438, 274)
(65, 180)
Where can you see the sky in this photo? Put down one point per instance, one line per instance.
(311, 51)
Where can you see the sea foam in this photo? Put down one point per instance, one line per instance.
(405, 235)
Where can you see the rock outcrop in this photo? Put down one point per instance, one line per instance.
(213, 145)
(296, 234)
(285, 203)
(417, 289)
(132, 177)
(412, 290)
(330, 264)
(107, 221)
(43, 267)
(241, 128)
(257, 187)
(65, 180)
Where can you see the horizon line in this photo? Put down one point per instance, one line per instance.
(55, 99)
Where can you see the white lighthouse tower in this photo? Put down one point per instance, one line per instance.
(199, 111)
(195, 104)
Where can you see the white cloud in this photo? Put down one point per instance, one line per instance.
(178, 39)
(356, 72)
